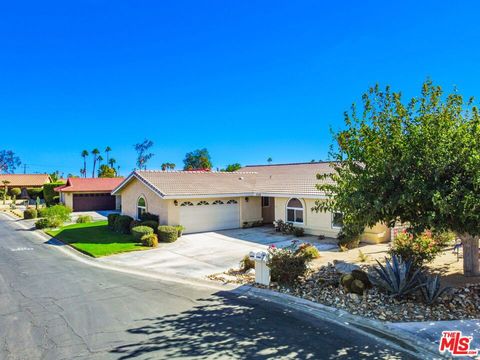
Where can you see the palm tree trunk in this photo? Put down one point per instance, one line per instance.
(94, 163)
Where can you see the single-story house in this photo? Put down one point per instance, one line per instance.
(208, 201)
(24, 181)
(90, 194)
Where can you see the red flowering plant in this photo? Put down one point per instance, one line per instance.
(422, 248)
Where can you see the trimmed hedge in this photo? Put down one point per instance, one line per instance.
(122, 224)
(167, 233)
(150, 240)
(49, 194)
(150, 223)
(139, 231)
(180, 229)
(148, 216)
(30, 214)
(111, 220)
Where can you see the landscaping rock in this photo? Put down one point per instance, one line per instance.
(345, 268)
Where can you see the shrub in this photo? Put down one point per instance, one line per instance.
(41, 224)
(150, 223)
(42, 212)
(180, 229)
(15, 191)
(246, 264)
(286, 266)
(283, 227)
(398, 277)
(122, 224)
(419, 249)
(298, 231)
(133, 224)
(82, 219)
(308, 250)
(56, 215)
(139, 231)
(30, 213)
(167, 233)
(150, 240)
(111, 220)
(35, 192)
(148, 216)
(49, 194)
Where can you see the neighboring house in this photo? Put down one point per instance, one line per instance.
(24, 181)
(90, 194)
(209, 201)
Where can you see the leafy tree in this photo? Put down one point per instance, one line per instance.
(8, 161)
(142, 153)
(107, 151)
(197, 159)
(269, 160)
(106, 171)
(55, 176)
(233, 167)
(95, 153)
(415, 162)
(84, 170)
(168, 166)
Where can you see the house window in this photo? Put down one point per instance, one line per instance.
(337, 220)
(203, 203)
(265, 201)
(141, 207)
(186, 203)
(232, 202)
(295, 211)
(218, 202)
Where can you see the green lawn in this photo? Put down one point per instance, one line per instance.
(96, 239)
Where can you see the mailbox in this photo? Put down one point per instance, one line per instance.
(262, 271)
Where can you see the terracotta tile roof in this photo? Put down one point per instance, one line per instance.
(90, 184)
(288, 179)
(24, 180)
(197, 183)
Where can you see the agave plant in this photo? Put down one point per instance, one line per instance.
(398, 277)
(431, 289)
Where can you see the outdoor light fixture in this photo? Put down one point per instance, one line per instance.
(246, 199)
(175, 202)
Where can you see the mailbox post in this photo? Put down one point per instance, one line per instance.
(262, 271)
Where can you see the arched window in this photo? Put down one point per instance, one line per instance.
(232, 202)
(202, 203)
(141, 207)
(295, 211)
(218, 202)
(186, 203)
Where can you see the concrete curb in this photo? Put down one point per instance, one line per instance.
(400, 339)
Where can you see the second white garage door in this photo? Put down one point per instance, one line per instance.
(199, 218)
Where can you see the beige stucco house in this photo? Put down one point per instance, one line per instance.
(209, 201)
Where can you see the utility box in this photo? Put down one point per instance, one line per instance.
(262, 271)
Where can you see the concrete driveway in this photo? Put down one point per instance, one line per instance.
(96, 215)
(202, 254)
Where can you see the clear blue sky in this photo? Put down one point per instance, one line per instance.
(246, 79)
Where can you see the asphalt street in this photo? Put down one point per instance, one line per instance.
(54, 307)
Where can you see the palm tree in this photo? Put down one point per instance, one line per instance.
(100, 159)
(171, 166)
(107, 150)
(84, 155)
(269, 160)
(95, 153)
(111, 162)
(164, 166)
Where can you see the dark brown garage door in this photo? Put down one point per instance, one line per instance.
(87, 202)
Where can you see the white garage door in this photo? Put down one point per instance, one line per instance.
(210, 216)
